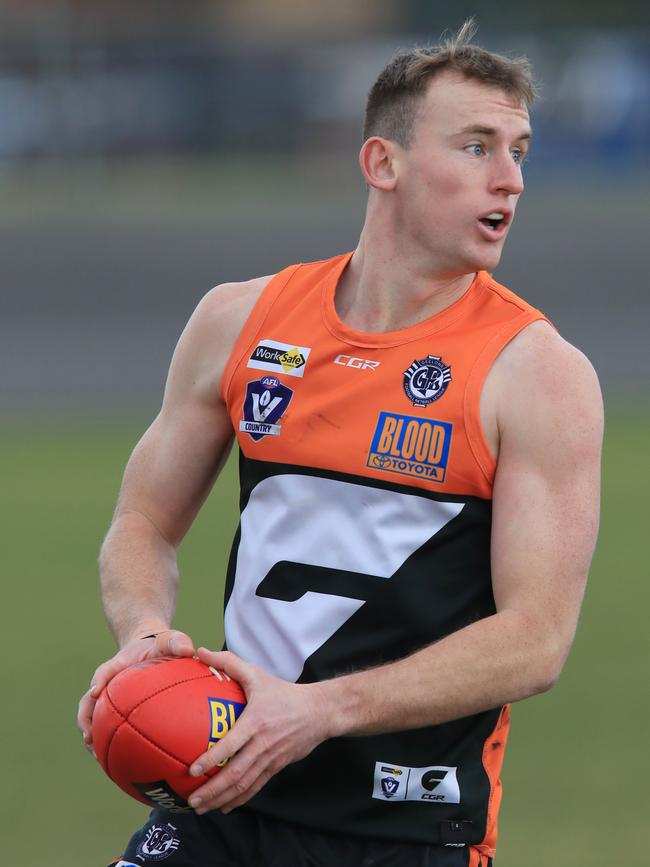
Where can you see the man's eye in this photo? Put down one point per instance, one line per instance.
(518, 156)
(475, 149)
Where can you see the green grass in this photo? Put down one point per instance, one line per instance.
(577, 764)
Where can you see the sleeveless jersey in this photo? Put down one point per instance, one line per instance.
(364, 536)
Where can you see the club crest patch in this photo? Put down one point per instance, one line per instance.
(426, 380)
(279, 357)
(159, 843)
(265, 403)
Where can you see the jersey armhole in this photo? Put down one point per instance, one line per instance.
(255, 320)
(472, 401)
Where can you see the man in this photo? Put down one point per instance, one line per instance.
(419, 469)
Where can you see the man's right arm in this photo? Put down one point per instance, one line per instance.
(166, 481)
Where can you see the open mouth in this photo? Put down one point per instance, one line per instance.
(495, 220)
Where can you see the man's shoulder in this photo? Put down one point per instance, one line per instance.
(541, 386)
(224, 310)
(233, 297)
(546, 387)
(539, 353)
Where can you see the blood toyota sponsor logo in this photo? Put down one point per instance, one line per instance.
(410, 446)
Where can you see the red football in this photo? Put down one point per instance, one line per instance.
(154, 719)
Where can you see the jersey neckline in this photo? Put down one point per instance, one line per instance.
(370, 340)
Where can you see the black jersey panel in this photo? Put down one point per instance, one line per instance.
(380, 570)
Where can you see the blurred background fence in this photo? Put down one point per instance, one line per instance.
(151, 149)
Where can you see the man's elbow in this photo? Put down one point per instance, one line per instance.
(547, 666)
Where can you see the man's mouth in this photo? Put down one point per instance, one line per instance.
(495, 220)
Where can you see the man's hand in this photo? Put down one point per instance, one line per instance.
(170, 642)
(281, 723)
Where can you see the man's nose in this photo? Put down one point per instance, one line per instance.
(506, 175)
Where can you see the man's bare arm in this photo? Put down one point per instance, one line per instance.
(167, 479)
(545, 516)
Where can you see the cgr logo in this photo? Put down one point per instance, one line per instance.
(353, 361)
(430, 781)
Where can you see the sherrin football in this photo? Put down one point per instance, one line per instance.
(154, 719)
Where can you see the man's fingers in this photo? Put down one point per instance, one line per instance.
(228, 746)
(172, 642)
(261, 780)
(233, 665)
(104, 673)
(233, 781)
(85, 716)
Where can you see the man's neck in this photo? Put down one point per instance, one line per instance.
(380, 292)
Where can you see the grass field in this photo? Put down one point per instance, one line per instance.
(577, 767)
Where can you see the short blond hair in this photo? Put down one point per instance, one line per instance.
(393, 98)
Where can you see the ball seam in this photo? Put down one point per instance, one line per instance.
(142, 734)
(126, 716)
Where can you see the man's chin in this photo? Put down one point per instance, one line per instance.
(486, 261)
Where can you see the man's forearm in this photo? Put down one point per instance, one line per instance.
(139, 578)
(494, 661)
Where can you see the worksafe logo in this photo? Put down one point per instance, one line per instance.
(279, 357)
(410, 446)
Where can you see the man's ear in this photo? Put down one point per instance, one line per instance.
(377, 161)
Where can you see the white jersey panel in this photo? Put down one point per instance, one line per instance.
(317, 522)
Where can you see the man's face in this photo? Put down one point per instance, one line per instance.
(460, 179)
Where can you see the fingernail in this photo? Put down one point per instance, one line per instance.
(196, 770)
(172, 645)
(194, 802)
(93, 689)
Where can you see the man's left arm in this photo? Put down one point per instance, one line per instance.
(548, 411)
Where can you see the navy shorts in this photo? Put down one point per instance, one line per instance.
(244, 838)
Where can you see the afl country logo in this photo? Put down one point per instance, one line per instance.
(389, 787)
(265, 403)
(426, 380)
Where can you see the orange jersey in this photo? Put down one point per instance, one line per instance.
(365, 535)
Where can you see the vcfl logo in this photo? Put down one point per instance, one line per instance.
(353, 361)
